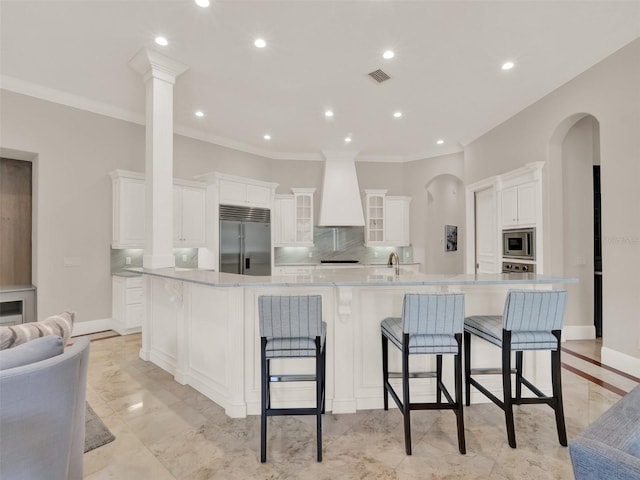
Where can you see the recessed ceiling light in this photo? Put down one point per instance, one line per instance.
(440, 142)
(267, 137)
(162, 41)
(260, 43)
(507, 65)
(388, 54)
(202, 3)
(199, 113)
(397, 114)
(328, 113)
(348, 139)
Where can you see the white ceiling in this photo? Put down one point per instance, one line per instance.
(446, 76)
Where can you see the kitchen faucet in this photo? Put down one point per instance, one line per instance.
(392, 256)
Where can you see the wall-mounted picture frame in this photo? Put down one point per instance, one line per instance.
(451, 238)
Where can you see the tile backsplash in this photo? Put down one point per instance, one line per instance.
(185, 257)
(339, 243)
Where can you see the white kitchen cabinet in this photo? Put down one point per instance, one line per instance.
(293, 218)
(128, 209)
(189, 215)
(127, 308)
(129, 199)
(245, 194)
(397, 231)
(387, 219)
(519, 205)
(284, 232)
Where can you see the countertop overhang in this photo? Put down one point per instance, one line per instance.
(344, 276)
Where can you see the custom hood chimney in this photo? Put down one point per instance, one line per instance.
(340, 203)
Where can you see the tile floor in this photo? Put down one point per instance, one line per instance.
(168, 431)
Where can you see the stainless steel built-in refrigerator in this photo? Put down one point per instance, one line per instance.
(245, 240)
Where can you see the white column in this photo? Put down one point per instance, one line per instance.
(159, 73)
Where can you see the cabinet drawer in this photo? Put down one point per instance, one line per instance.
(134, 282)
(133, 295)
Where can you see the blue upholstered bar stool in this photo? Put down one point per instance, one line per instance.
(431, 324)
(532, 320)
(292, 327)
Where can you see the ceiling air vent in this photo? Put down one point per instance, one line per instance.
(379, 76)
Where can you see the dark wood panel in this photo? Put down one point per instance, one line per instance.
(15, 222)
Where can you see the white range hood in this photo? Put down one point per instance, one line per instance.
(340, 203)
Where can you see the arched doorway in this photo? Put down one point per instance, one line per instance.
(572, 237)
(445, 206)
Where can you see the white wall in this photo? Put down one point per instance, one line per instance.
(445, 206)
(609, 92)
(577, 191)
(74, 150)
(427, 227)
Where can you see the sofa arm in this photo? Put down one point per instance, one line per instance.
(594, 460)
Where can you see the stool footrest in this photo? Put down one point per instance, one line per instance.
(487, 393)
(292, 378)
(275, 412)
(414, 374)
(489, 371)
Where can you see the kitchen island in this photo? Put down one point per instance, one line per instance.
(202, 327)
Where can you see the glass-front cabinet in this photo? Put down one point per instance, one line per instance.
(303, 198)
(374, 230)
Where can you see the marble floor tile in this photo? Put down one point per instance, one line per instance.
(165, 430)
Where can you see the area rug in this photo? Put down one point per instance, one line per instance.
(96, 433)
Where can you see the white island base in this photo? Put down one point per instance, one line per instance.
(202, 327)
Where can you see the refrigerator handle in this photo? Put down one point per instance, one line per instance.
(241, 269)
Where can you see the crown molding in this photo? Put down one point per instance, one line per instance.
(70, 100)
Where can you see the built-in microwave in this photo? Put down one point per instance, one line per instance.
(519, 243)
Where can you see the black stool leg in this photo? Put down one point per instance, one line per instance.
(406, 410)
(319, 380)
(467, 368)
(556, 381)
(506, 386)
(518, 375)
(438, 378)
(265, 395)
(459, 413)
(385, 371)
(324, 377)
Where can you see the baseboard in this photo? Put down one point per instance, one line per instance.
(620, 361)
(91, 326)
(578, 332)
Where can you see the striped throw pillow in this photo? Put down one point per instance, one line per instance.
(60, 325)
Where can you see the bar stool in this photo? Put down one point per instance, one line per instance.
(431, 324)
(291, 327)
(532, 320)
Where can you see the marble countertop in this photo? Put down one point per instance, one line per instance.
(341, 276)
(126, 273)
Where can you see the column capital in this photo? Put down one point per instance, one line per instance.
(150, 63)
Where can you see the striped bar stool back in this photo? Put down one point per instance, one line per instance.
(431, 324)
(532, 320)
(291, 327)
